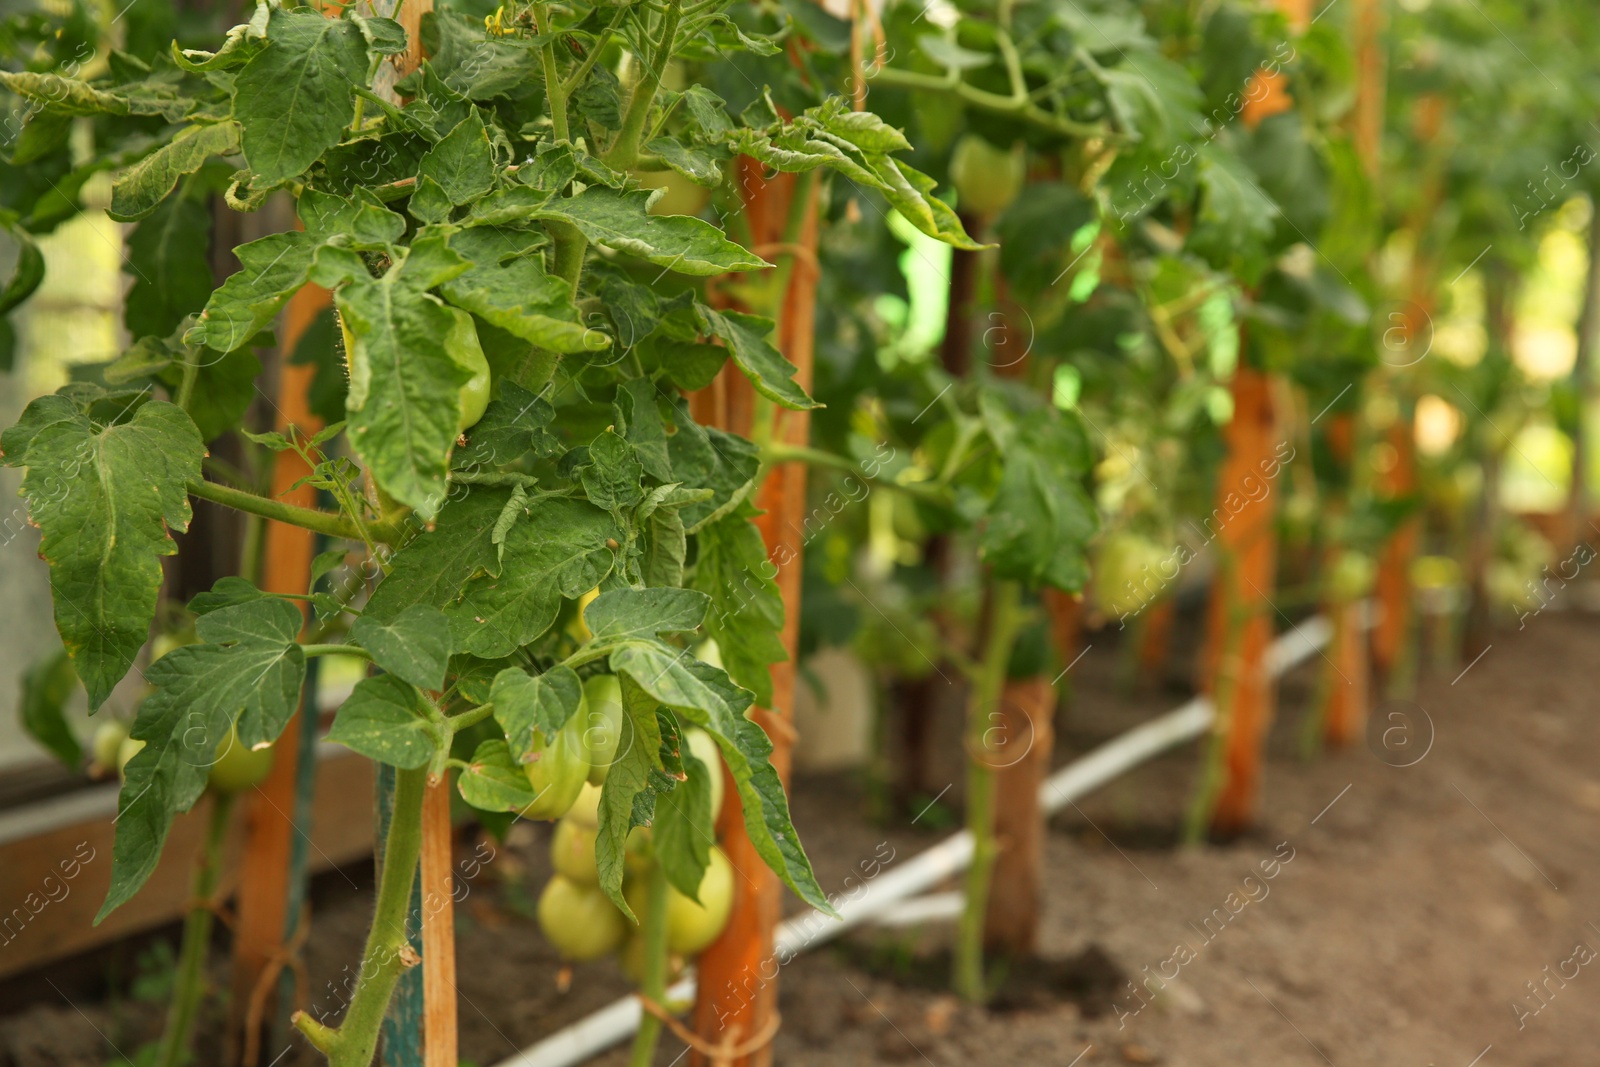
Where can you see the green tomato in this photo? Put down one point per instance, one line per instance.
(682, 196)
(572, 851)
(704, 747)
(558, 769)
(107, 747)
(238, 767)
(1130, 572)
(577, 629)
(586, 809)
(1435, 572)
(692, 926)
(1351, 577)
(603, 729)
(708, 651)
(166, 642)
(580, 922)
(462, 344)
(987, 178)
(126, 751)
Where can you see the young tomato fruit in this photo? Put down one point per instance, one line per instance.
(1351, 577)
(559, 768)
(631, 958)
(462, 344)
(603, 731)
(704, 747)
(987, 178)
(681, 196)
(107, 747)
(238, 767)
(580, 922)
(1128, 574)
(572, 851)
(690, 926)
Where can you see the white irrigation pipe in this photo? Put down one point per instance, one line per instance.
(899, 884)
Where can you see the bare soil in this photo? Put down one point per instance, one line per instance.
(1408, 911)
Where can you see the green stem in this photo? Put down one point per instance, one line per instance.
(655, 967)
(624, 151)
(555, 93)
(998, 103)
(191, 372)
(575, 82)
(323, 522)
(335, 650)
(775, 453)
(388, 953)
(570, 245)
(1005, 621)
(190, 984)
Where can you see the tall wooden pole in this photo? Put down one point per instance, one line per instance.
(737, 999)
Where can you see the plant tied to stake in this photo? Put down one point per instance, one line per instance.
(517, 328)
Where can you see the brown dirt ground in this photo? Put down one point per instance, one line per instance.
(1418, 904)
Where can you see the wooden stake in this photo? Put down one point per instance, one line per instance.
(438, 929)
(263, 873)
(738, 973)
(1022, 761)
(1241, 614)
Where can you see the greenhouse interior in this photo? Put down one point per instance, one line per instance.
(950, 531)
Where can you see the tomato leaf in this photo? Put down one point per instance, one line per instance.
(628, 797)
(704, 695)
(684, 825)
(518, 296)
(746, 337)
(295, 97)
(1041, 519)
(415, 646)
(250, 668)
(732, 567)
(495, 781)
(270, 270)
(431, 567)
(613, 477)
(559, 550)
(169, 256)
(708, 458)
(143, 186)
(524, 703)
(463, 162)
(46, 687)
(384, 719)
(620, 614)
(403, 380)
(105, 497)
(621, 222)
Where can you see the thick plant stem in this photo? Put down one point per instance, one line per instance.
(570, 245)
(1005, 620)
(555, 93)
(1223, 691)
(654, 986)
(388, 953)
(190, 986)
(624, 151)
(324, 522)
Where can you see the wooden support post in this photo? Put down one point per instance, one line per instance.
(438, 929)
(737, 998)
(263, 873)
(1241, 613)
(1022, 762)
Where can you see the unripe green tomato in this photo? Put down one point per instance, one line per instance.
(130, 748)
(1435, 572)
(580, 922)
(1351, 577)
(238, 767)
(631, 958)
(107, 747)
(572, 852)
(987, 178)
(462, 344)
(691, 926)
(166, 642)
(603, 730)
(704, 747)
(558, 769)
(586, 809)
(1128, 574)
(639, 851)
(707, 651)
(682, 196)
